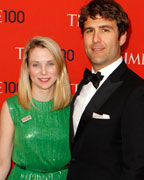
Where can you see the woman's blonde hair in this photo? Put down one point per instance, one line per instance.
(62, 92)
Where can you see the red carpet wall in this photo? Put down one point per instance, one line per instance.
(21, 20)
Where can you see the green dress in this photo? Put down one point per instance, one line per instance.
(41, 142)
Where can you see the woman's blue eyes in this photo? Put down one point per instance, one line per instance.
(37, 64)
(50, 63)
(34, 65)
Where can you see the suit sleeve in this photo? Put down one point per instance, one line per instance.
(133, 136)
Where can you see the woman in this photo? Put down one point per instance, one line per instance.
(34, 124)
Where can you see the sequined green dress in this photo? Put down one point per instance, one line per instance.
(41, 143)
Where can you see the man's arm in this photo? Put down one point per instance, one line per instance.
(133, 136)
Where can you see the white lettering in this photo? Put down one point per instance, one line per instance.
(125, 58)
(73, 18)
(1, 88)
(132, 59)
(19, 52)
(78, 20)
(1, 16)
(143, 59)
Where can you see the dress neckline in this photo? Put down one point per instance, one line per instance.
(43, 105)
(43, 102)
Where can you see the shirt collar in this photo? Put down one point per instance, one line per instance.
(106, 71)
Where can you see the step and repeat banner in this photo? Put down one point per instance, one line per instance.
(22, 20)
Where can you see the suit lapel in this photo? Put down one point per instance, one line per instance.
(101, 97)
(71, 112)
(104, 92)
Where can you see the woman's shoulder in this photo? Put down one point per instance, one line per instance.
(12, 99)
(8, 105)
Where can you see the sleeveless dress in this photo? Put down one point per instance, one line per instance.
(41, 141)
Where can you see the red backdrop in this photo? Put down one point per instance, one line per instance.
(21, 20)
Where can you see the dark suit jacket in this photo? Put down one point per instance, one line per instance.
(111, 149)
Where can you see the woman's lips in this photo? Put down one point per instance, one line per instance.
(44, 79)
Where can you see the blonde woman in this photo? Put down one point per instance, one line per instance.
(34, 124)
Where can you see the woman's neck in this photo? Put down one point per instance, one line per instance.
(43, 95)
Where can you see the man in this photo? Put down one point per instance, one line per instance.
(107, 112)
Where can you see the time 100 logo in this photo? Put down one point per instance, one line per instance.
(8, 87)
(12, 16)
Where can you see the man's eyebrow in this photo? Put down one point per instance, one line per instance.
(101, 27)
(106, 26)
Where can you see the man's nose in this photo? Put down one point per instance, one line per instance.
(96, 37)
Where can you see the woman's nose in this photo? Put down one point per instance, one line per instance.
(43, 70)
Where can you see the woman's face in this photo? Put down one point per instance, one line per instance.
(42, 69)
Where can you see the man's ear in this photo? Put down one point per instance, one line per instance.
(123, 38)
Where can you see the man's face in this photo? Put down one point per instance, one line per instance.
(101, 41)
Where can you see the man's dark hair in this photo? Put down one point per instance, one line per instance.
(108, 9)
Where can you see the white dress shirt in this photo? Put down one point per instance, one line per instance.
(88, 91)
